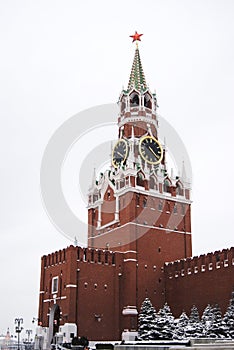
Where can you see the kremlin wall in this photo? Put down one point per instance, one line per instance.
(200, 280)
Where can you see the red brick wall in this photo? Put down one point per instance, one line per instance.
(132, 209)
(96, 284)
(92, 286)
(98, 296)
(207, 279)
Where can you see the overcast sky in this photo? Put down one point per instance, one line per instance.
(61, 57)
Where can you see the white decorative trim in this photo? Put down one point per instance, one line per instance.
(57, 298)
(126, 260)
(139, 189)
(99, 221)
(71, 286)
(130, 251)
(95, 204)
(42, 292)
(108, 224)
(130, 310)
(141, 225)
(117, 209)
(136, 118)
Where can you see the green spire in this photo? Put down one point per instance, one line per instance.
(137, 77)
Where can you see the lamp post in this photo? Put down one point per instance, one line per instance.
(28, 331)
(18, 329)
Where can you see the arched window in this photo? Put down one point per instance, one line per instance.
(134, 100)
(85, 255)
(122, 183)
(166, 186)
(123, 104)
(106, 257)
(147, 101)
(179, 189)
(92, 255)
(153, 183)
(140, 179)
(95, 197)
(78, 254)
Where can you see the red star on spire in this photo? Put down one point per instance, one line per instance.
(136, 37)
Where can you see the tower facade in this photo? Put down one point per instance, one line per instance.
(135, 207)
(139, 236)
(136, 195)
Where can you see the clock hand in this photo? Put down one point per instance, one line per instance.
(119, 154)
(153, 152)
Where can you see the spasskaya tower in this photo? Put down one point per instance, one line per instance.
(138, 219)
(136, 204)
(139, 239)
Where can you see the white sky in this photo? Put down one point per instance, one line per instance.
(60, 57)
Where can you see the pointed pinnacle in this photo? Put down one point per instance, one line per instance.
(94, 177)
(183, 172)
(137, 78)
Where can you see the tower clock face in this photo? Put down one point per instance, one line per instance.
(150, 150)
(120, 153)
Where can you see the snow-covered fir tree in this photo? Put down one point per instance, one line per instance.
(165, 323)
(147, 321)
(215, 326)
(194, 315)
(162, 325)
(207, 318)
(180, 328)
(194, 327)
(228, 318)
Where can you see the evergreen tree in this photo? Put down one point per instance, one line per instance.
(194, 327)
(179, 332)
(164, 323)
(216, 328)
(194, 315)
(207, 318)
(147, 320)
(229, 318)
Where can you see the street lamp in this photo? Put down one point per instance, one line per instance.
(28, 331)
(18, 329)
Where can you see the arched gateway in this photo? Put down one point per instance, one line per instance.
(54, 318)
